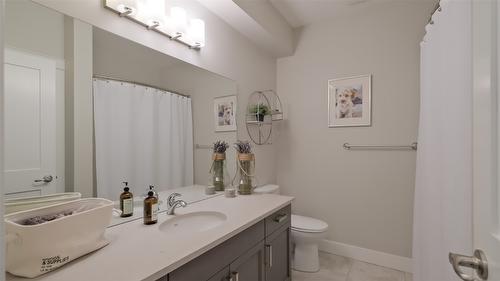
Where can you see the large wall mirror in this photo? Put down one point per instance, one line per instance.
(152, 116)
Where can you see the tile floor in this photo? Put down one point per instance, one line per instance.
(337, 268)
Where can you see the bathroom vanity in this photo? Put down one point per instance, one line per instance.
(242, 238)
(261, 252)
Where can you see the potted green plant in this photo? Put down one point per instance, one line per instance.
(260, 110)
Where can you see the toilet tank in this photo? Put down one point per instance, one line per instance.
(267, 189)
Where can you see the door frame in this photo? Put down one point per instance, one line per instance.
(486, 222)
(2, 244)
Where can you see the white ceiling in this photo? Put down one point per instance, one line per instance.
(304, 12)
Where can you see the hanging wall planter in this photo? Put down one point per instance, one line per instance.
(264, 108)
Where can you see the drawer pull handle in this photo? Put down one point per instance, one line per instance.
(236, 276)
(270, 255)
(280, 218)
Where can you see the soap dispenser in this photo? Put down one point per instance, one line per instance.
(155, 194)
(126, 202)
(150, 209)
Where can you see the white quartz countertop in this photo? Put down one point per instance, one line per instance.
(143, 252)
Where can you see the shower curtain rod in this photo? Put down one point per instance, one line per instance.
(102, 77)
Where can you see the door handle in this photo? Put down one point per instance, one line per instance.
(45, 179)
(478, 262)
(269, 255)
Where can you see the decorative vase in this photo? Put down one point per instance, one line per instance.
(218, 172)
(246, 164)
(260, 117)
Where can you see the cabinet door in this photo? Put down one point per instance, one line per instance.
(277, 250)
(249, 266)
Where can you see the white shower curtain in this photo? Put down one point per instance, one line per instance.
(143, 136)
(443, 191)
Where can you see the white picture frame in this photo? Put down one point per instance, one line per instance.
(350, 101)
(225, 113)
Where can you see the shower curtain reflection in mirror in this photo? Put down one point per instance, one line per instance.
(143, 135)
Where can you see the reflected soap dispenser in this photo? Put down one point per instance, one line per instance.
(150, 209)
(126, 202)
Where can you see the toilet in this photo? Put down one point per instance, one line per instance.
(306, 232)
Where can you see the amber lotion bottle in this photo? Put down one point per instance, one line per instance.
(126, 202)
(151, 209)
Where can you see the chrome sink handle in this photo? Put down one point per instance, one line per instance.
(171, 199)
(178, 203)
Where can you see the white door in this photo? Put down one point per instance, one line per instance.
(485, 261)
(30, 123)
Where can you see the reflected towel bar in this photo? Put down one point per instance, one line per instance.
(203, 146)
(412, 146)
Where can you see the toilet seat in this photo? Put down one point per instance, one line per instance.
(308, 225)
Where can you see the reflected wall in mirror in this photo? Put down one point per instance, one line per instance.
(63, 76)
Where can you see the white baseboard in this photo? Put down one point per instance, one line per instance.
(367, 255)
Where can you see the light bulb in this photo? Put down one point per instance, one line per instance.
(197, 32)
(179, 20)
(128, 7)
(152, 11)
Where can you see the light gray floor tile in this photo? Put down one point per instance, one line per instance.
(362, 271)
(332, 268)
(318, 276)
(338, 268)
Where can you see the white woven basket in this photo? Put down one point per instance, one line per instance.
(36, 249)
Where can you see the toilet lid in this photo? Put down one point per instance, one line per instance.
(307, 224)
(266, 189)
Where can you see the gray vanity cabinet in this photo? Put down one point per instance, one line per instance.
(259, 253)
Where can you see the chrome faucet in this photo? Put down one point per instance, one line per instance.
(173, 204)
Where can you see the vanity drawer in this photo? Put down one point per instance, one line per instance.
(278, 219)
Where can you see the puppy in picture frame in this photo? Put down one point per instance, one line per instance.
(344, 106)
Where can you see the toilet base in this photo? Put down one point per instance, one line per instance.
(306, 257)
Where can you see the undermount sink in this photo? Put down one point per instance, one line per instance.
(193, 222)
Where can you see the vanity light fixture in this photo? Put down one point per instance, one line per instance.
(152, 15)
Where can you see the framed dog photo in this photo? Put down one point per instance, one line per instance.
(225, 113)
(349, 101)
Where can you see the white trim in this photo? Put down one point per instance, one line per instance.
(60, 63)
(366, 255)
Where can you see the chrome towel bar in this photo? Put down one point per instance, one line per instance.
(412, 146)
(203, 146)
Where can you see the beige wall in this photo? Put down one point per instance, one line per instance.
(34, 28)
(365, 196)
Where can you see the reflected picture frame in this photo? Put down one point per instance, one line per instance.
(350, 101)
(225, 108)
